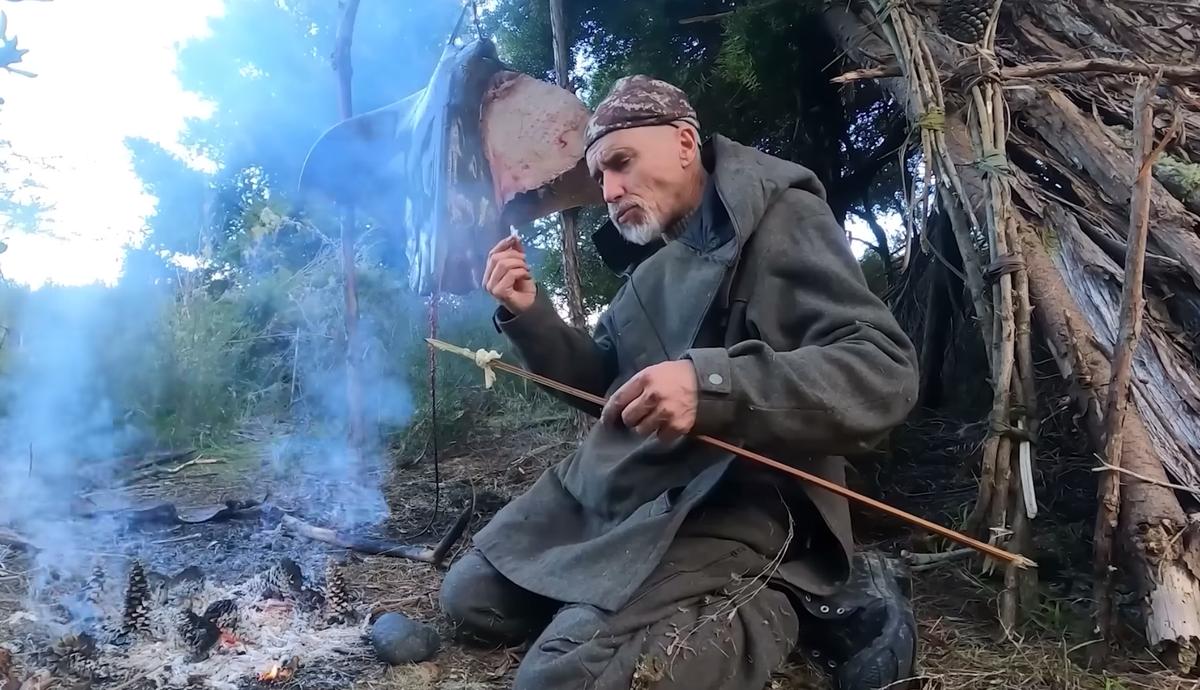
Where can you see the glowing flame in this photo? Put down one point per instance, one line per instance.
(277, 673)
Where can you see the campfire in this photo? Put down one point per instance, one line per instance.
(184, 630)
(280, 673)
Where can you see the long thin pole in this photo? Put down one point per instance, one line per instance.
(986, 549)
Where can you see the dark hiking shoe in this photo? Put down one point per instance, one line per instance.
(865, 635)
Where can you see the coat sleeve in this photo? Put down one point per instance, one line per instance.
(551, 347)
(828, 369)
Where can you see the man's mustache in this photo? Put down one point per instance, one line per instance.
(615, 211)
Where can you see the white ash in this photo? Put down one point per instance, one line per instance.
(268, 632)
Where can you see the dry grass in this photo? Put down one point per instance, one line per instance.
(497, 458)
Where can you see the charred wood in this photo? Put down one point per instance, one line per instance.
(376, 546)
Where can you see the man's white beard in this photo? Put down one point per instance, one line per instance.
(641, 233)
(644, 232)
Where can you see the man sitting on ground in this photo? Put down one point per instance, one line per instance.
(744, 315)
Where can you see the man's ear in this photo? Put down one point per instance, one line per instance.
(689, 145)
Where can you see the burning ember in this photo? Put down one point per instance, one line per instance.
(183, 631)
(278, 673)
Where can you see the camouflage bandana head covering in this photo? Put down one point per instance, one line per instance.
(639, 101)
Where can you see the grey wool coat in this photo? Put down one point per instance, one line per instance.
(795, 358)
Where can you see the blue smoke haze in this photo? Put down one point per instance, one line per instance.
(266, 69)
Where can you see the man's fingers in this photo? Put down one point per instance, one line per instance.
(638, 411)
(624, 395)
(503, 269)
(509, 280)
(495, 260)
(506, 243)
(651, 423)
(500, 270)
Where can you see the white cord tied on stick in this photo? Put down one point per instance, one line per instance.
(482, 358)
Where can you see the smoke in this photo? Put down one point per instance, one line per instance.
(252, 330)
(62, 431)
(266, 69)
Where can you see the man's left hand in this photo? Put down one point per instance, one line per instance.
(660, 399)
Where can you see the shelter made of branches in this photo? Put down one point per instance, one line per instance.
(1024, 115)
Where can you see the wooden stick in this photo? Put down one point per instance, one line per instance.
(1132, 304)
(1105, 467)
(987, 549)
(380, 547)
(1170, 73)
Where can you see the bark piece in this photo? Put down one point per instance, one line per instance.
(1151, 515)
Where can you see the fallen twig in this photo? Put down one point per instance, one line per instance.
(177, 540)
(155, 472)
(536, 452)
(1170, 73)
(10, 538)
(1105, 467)
(920, 560)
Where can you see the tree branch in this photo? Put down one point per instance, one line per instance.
(1169, 73)
(1132, 305)
(722, 15)
(344, 69)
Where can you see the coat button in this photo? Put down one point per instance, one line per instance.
(715, 379)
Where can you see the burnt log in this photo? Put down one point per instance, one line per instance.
(376, 546)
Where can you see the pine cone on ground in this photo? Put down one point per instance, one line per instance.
(966, 20)
(136, 616)
(93, 589)
(284, 580)
(74, 655)
(338, 606)
(223, 614)
(198, 634)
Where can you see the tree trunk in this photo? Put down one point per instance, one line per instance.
(569, 219)
(1066, 162)
(354, 398)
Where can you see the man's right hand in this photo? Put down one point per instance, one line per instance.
(507, 276)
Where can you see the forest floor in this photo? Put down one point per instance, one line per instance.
(495, 457)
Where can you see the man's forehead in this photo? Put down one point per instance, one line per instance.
(633, 138)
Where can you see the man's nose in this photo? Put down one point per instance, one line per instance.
(613, 189)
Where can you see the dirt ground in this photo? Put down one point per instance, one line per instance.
(498, 457)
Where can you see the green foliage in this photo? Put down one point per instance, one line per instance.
(1180, 178)
(735, 59)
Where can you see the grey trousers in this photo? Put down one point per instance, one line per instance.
(706, 619)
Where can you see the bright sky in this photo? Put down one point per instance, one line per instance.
(105, 71)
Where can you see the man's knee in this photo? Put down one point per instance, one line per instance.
(725, 643)
(485, 604)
